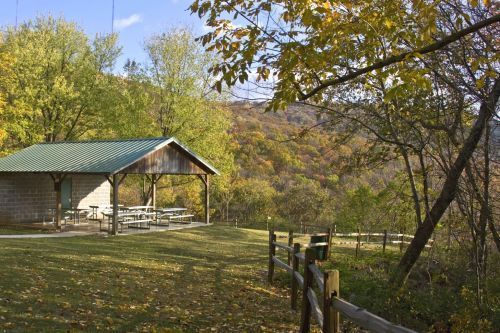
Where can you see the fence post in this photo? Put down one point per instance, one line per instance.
(295, 267)
(329, 247)
(305, 320)
(290, 243)
(385, 240)
(357, 244)
(272, 253)
(402, 238)
(331, 318)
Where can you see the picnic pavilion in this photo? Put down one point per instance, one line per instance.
(34, 178)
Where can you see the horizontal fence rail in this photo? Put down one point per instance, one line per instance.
(360, 239)
(281, 264)
(326, 312)
(366, 319)
(283, 246)
(318, 276)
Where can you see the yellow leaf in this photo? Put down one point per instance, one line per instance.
(417, 55)
(474, 65)
(480, 83)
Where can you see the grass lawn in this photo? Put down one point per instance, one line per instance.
(194, 280)
(20, 230)
(210, 279)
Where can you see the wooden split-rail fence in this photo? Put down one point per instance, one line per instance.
(363, 238)
(326, 313)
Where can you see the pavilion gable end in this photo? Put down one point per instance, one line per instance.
(166, 160)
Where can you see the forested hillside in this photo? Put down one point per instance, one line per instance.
(293, 169)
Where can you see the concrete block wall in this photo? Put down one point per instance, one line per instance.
(26, 198)
(90, 190)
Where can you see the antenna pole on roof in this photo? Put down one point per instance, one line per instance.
(112, 16)
(17, 9)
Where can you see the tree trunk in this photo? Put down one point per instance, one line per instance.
(424, 231)
(494, 233)
(413, 186)
(482, 250)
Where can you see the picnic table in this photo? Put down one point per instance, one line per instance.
(100, 208)
(141, 208)
(130, 218)
(77, 213)
(67, 214)
(174, 214)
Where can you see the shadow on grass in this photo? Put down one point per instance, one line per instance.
(192, 280)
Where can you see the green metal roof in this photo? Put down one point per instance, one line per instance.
(92, 157)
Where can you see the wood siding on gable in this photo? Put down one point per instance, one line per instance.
(167, 160)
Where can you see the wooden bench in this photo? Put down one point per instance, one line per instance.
(139, 208)
(100, 209)
(129, 220)
(180, 218)
(159, 218)
(130, 224)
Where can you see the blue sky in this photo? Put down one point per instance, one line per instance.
(135, 20)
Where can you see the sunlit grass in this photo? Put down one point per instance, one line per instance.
(193, 280)
(21, 230)
(205, 279)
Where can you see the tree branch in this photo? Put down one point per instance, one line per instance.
(398, 58)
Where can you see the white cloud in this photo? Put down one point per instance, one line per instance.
(127, 22)
(230, 26)
(205, 28)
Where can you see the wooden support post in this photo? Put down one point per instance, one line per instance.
(358, 244)
(58, 212)
(385, 241)
(58, 179)
(116, 184)
(207, 199)
(295, 267)
(272, 253)
(206, 181)
(153, 191)
(143, 194)
(331, 318)
(305, 319)
(401, 239)
(290, 243)
(329, 247)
